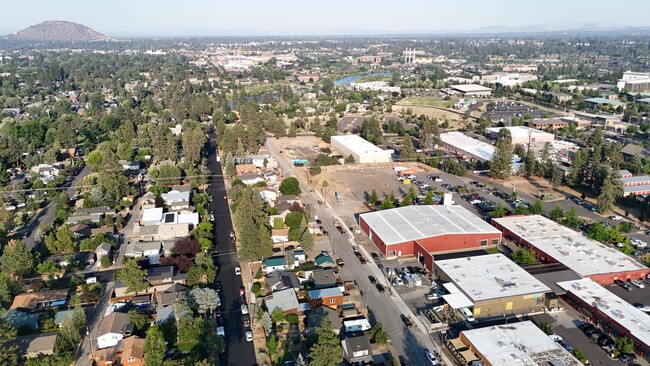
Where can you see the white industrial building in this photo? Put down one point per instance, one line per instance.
(460, 144)
(523, 135)
(508, 79)
(470, 90)
(380, 86)
(362, 150)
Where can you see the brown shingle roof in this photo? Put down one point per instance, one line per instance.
(132, 347)
(30, 300)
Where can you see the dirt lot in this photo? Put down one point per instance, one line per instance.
(301, 147)
(455, 120)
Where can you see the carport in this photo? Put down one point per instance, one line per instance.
(455, 298)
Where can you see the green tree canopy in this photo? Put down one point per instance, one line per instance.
(154, 346)
(290, 186)
(17, 260)
(133, 276)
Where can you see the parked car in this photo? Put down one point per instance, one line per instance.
(397, 281)
(637, 283)
(615, 218)
(340, 262)
(249, 336)
(624, 285)
(372, 279)
(555, 337)
(589, 331)
(407, 322)
(374, 256)
(326, 233)
(244, 309)
(643, 307)
(565, 345)
(433, 360)
(627, 357)
(433, 295)
(362, 259)
(447, 186)
(238, 271)
(380, 287)
(242, 291)
(586, 326)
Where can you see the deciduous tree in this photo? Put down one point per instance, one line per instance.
(133, 276)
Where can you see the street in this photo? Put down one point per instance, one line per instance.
(382, 307)
(238, 350)
(48, 214)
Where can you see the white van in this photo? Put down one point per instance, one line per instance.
(467, 314)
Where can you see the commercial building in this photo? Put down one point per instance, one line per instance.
(362, 150)
(508, 79)
(634, 81)
(460, 144)
(553, 123)
(492, 284)
(425, 230)
(613, 314)
(554, 243)
(380, 86)
(604, 101)
(512, 344)
(638, 185)
(470, 90)
(523, 135)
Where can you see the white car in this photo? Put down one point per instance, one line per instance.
(397, 281)
(244, 309)
(637, 283)
(433, 295)
(555, 337)
(433, 360)
(643, 307)
(641, 244)
(615, 218)
(249, 336)
(238, 271)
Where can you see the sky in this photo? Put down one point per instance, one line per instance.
(122, 18)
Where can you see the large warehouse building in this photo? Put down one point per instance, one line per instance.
(511, 344)
(492, 284)
(522, 135)
(555, 243)
(471, 90)
(424, 230)
(613, 314)
(460, 144)
(362, 150)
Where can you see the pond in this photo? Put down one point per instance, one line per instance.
(354, 78)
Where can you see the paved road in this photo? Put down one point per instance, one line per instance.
(239, 352)
(48, 214)
(383, 308)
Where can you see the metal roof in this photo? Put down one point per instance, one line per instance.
(404, 224)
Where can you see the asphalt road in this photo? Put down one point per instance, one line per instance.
(239, 352)
(48, 214)
(382, 308)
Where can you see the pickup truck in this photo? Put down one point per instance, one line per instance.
(339, 262)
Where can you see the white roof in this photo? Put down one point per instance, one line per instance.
(517, 344)
(458, 300)
(468, 88)
(283, 299)
(175, 196)
(618, 310)
(491, 276)
(472, 146)
(152, 214)
(584, 256)
(359, 145)
(190, 218)
(411, 223)
(522, 131)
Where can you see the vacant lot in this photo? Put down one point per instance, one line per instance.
(429, 101)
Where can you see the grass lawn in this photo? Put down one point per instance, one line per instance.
(430, 101)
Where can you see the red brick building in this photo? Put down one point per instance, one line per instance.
(554, 243)
(426, 230)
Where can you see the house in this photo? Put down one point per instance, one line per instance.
(188, 218)
(103, 211)
(21, 319)
(131, 351)
(80, 231)
(257, 160)
(164, 232)
(112, 329)
(144, 250)
(242, 169)
(130, 165)
(330, 297)
(250, 179)
(160, 275)
(630, 150)
(274, 264)
(280, 280)
(76, 219)
(280, 235)
(151, 216)
(317, 315)
(323, 278)
(33, 300)
(106, 230)
(268, 195)
(324, 260)
(46, 172)
(286, 300)
(175, 196)
(271, 177)
(356, 348)
(62, 315)
(104, 249)
(36, 345)
(177, 291)
(148, 201)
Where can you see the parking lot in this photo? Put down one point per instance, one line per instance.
(503, 111)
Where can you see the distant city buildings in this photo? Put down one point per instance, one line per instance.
(634, 81)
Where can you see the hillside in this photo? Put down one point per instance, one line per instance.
(59, 31)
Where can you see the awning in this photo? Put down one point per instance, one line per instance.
(458, 300)
(450, 287)
(457, 343)
(469, 356)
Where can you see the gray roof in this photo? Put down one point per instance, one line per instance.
(140, 247)
(282, 279)
(37, 343)
(633, 149)
(317, 315)
(404, 224)
(285, 299)
(636, 179)
(323, 277)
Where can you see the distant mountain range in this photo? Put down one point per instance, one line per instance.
(63, 31)
(59, 31)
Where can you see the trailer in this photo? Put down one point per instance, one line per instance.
(417, 280)
(409, 281)
(338, 196)
(356, 325)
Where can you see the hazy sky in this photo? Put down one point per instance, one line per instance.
(304, 17)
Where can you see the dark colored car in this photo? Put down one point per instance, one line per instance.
(374, 256)
(590, 331)
(447, 186)
(217, 286)
(586, 326)
(565, 345)
(407, 322)
(362, 260)
(595, 335)
(340, 262)
(372, 279)
(319, 222)
(380, 287)
(627, 357)
(326, 233)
